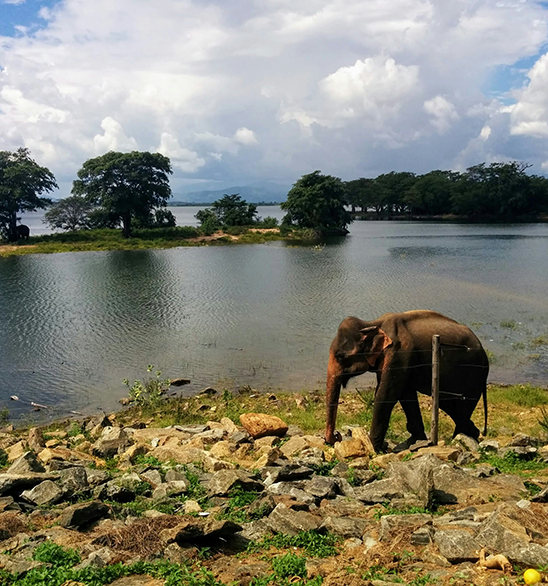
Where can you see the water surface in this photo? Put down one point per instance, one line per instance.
(74, 325)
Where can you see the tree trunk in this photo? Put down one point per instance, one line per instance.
(126, 225)
(12, 227)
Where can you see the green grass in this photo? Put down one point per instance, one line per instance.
(539, 341)
(61, 569)
(313, 543)
(522, 395)
(511, 324)
(239, 500)
(112, 239)
(513, 464)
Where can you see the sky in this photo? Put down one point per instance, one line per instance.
(251, 91)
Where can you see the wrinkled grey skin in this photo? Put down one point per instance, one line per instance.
(23, 232)
(397, 347)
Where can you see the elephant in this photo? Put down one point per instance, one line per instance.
(397, 347)
(23, 232)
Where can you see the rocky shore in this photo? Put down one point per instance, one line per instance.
(257, 502)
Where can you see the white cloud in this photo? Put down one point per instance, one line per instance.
(245, 136)
(530, 114)
(274, 89)
(16, 2)
(182, 158)
(443, 112)
(113, 139)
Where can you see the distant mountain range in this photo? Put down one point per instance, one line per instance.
(264, 192)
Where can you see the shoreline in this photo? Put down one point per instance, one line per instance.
(170, 238)
(224, 498)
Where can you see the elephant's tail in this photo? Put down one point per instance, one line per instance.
(485, 410)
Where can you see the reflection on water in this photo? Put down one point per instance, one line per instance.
(72, 326)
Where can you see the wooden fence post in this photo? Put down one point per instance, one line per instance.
(435, 389)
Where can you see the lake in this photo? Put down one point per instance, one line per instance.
(74, 325)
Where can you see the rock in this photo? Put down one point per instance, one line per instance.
(260, 425)
(179, 382)
(509, 531)
(74, 480)
(45, 493)
(180, 554)
(113, 440)
(345, 527)
(16, 451)
(489, 446)
(60, 453)
(362, 434)
(351, 448)
(291, 489)
(522, 452)
(222, 449)
(394, 524)
(198, 529)
(169, 489)
(175, 474)
(229, 425)
(269, 458)
(290, 522)
(28, 462)
(14, 483)
(192, 507)
(422, 536)
(465, 441)
(35, 439)
(82, 514)
(384, 460)
(457, 546)
(521, 439)
(447, 453)
(180, 454)
(239, 437)
(154, 478)
(96, 477)
(223, 481)
(288, 472)
(321, 487)
(295, 445)
(453, 485)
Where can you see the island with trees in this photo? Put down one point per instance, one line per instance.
(119, 201)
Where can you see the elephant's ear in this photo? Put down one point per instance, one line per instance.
(375, 341)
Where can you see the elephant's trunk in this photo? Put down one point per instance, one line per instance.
(333, 391)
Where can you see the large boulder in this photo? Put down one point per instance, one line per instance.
(45, 493)
(260, 425)
(290, 522)
(82, 514)
(223, 481)
(28, 462)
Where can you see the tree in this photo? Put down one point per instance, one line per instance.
(317, 201)
(232, 210)
(127, 185)
(431, 193)
(209, 223)
(71, 213)
(22, 182)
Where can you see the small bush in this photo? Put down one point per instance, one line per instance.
(57, 556)
(289, 565)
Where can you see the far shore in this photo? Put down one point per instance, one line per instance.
(105, 240)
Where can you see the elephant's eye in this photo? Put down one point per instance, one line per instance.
(340, 355)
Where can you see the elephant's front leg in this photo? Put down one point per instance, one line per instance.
(415, 426)
(382, 410)
(390, 386)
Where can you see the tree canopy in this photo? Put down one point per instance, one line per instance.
(499, 191)
(127, 186)
(22, 182)
(71, 213)
(317, 201)
(230, 210)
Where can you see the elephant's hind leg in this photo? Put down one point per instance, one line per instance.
(460, 410)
